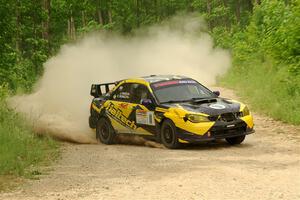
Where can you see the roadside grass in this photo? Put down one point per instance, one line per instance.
(22, 153)
(267, 89)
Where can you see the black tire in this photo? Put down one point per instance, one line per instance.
(105, 132)
(236, 140)
(169, 135)
(92, 122)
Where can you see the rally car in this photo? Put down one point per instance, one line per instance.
(173, 110)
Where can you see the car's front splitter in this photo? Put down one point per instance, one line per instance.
(220, 130)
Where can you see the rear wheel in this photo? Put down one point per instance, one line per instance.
(105, 132)
(169, 136)
(236, 140)
(92, 122)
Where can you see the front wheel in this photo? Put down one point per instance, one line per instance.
(105, 132)
(169, 136)
(236, 140)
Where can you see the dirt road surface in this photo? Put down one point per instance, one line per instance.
(265, 166)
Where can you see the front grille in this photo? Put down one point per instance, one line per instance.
(213, 118)
(228, 132)
(228, 117)
(225, 117)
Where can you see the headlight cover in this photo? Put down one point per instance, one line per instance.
(245, 111)
(195, 118)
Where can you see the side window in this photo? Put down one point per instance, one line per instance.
(123, 93)
(139, 92)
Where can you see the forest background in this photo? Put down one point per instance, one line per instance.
(263, 37)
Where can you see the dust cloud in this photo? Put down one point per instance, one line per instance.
(59, 105)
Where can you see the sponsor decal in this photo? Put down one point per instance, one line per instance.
(167, 83)
(230, 126)
(124, 105)
(145, 117)
(187, 81)
(118, 115)
(217, 106)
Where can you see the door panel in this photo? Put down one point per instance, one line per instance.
(120, 114)
(126, 112)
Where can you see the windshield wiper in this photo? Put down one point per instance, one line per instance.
(203, 99)
(175, 101)
(195, 99)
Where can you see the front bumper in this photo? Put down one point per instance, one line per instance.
(220, 130)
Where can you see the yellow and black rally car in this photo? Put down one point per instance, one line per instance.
(170, 109)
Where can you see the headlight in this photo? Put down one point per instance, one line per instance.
(246, 111)
(196, 118)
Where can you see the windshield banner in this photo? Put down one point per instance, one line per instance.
(173, 82)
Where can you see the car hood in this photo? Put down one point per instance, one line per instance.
(215, 106)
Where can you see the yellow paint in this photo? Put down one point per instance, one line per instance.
(249, 120)
(175, 114)
(140, 81)
(161, 109)
(95, 108)
(182, 141)
(242, 106)
(178, 119)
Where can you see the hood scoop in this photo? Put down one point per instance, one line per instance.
(200, 101)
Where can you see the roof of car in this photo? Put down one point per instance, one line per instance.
(153, 79)
(158, 78)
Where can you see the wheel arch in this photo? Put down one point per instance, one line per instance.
(159, 125)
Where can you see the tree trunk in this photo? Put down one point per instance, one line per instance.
(250, 6)
(46, 22)
(99, 12)
(189, 6)
(208, 6)
(226, 18)
(109, 16)
(83, 20)
(137, 4)
(100, 19)
(18, 27)
(258, 2)
(69, 28)
(73, 30)
(238, 11)
(109, 13)
(156, 10)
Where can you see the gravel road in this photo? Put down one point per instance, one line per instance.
(265, 166)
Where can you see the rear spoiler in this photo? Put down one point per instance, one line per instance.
(97, 89)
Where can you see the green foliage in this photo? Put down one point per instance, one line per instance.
(22, 49)
(267, 90)
(31, 31)
(19, 147)
(263, 39)
(266, 59)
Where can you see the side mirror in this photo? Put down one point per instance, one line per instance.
(216, 93)
(146, 102)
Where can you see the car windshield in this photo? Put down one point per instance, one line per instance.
(180, 90)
